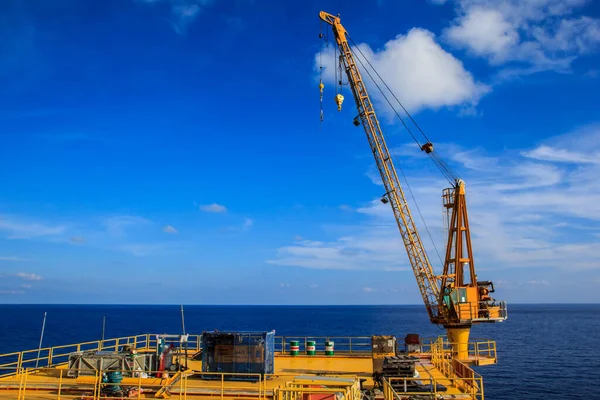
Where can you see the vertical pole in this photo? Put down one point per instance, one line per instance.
(186, 342)
(41, 339)
(103, 329)
(182, 320)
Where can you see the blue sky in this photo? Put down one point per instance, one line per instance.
(170, 151)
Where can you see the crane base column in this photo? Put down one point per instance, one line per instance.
(459, 339)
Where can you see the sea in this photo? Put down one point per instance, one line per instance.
(544, 351)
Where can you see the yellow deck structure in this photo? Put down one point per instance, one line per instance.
(42, 374)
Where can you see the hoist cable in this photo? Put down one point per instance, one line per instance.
(420, 214)
(321, 115)
(402, 171)
(386, 99)
(437, 164)
(448, 173)
(390, 90)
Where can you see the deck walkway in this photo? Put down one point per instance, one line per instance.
(45, 383)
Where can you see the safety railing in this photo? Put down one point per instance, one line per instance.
(55, 383)
(333, 391)
(426, 343)
(398, 388)
(12, 363)
(479, 350)
(480, 311)
(359, 345)
(48, 356)
(193, 341)
(460, 374)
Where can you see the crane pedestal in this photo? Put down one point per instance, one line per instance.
(459, 340)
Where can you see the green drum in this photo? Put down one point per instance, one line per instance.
(328, 348)
(310, 347)
(294, 347)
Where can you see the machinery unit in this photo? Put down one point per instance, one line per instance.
(382, 347)
(92, 362)
(238, 352)
(412, 343)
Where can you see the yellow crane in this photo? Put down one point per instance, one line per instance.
(452, 299)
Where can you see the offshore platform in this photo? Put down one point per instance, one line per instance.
(260, 365)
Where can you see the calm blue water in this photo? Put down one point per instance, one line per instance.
(543, 350)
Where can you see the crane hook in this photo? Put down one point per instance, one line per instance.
(321, 87)
(339, 99)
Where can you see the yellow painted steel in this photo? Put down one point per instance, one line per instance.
(49, 383)
(426, 279)
(344, 344)
(459, 339)
(455, 316)
(46, 384)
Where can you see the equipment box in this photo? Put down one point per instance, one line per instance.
(235, 353)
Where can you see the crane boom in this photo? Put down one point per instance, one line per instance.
(448, 298)
(419, 261)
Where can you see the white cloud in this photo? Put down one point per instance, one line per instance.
(547, 153)
(28, 276)
(364, 248)
(141, 249)
(239, 229)
(169, 229)
(26, 286)
(213, 208)
(183, 12)
(578, 35)
(485, 32)
(11, 292)
(117, 225)
(11, 258)
(368, 289)
(523, 212)
(579, 147)
(537, 35)
(534, 282)
(20, 229)
(77, 239)
(285, 285)
(417, 70)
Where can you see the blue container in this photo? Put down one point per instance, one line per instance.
(238, 353)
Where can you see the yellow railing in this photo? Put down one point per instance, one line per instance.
(393, 388)
(458, 373)
(347, 388)
(359, 345)
(53, 383)
(293, 392)
(50, 356)
(479, 349)
(12, 363)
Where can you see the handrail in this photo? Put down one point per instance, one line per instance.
(55, 382)
(406, 384)
(14, 362)
(459, 373)
(342, 344)
(477, 350)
